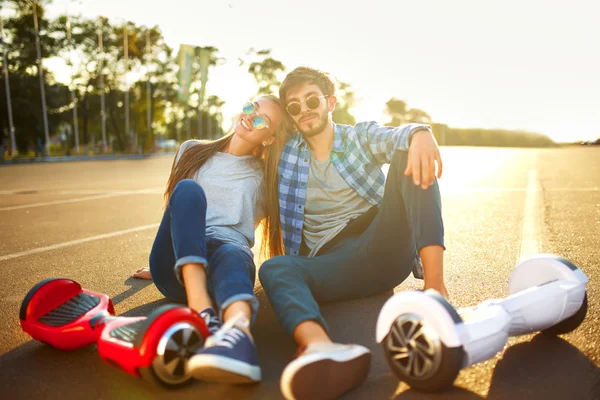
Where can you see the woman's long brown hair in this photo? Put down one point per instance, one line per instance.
(195, 156)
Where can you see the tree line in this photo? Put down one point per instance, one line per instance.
(399, 112)
(136, 67)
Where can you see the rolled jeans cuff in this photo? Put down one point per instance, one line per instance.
(187, 260)
(292, 320)
(251, 299)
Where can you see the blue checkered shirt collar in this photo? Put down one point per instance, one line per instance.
(299, 142)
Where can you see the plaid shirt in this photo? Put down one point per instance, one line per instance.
(358, 153)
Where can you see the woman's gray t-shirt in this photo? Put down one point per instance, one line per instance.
(234, 193)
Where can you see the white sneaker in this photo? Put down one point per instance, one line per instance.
(325, 371)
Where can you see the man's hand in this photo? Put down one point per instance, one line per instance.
(422, 156)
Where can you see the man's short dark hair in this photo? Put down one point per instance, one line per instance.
(302, 75)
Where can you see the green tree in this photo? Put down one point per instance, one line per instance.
(26, 108)
(148, 57)
(495, 137)
(397, 112)
(346, 100)
(264, 68)
(20, 30)
(196, 89)
(213, 108)
(210, 128)
(22, 65)
(194, 118)
(419, 116)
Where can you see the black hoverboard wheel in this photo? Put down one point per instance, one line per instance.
(417, 355)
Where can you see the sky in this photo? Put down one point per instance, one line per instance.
(512, 64)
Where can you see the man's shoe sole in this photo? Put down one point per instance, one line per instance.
(212, 368)
(320, 378)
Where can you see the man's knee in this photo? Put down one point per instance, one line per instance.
(396, 174)
(399, 160)
(272, 269)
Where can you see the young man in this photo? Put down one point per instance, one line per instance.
(345, 239)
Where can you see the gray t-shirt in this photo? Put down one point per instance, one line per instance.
(330, 204)
(234, 189)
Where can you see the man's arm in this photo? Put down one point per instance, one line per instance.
(418, 139)
(423, 154)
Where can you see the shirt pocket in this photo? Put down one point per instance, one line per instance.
(287, 182)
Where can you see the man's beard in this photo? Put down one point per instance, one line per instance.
(316, 129)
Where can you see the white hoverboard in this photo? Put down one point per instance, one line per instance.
(427, 341)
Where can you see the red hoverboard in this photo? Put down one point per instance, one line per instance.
(59, 312)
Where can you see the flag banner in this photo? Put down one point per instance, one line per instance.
(185, 60)
(204, 60)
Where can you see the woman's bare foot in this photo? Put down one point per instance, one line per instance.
(142, 273)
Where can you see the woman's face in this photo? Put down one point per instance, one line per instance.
(258, 122)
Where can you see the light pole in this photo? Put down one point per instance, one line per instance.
(41, 74)
(126, 57)
(102, 103)
(148, 87)
(73, 96)
(7, 85)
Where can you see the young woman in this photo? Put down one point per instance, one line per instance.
(216, 195)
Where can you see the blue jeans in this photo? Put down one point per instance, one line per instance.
(360, 261)
(181, 239)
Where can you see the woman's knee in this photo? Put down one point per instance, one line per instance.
(231, 252)
(188, 188)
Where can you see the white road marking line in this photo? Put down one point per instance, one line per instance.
(450, 189)
(148, 190)
(77, 241)
(533, 217)
(594, 189)
(34, 191)
(11, 192)
(78, 199)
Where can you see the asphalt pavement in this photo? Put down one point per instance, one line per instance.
(95, 222)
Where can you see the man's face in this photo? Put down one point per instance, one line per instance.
(313, 116)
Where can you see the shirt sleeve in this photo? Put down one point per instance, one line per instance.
(383, 141)
(185, 145)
